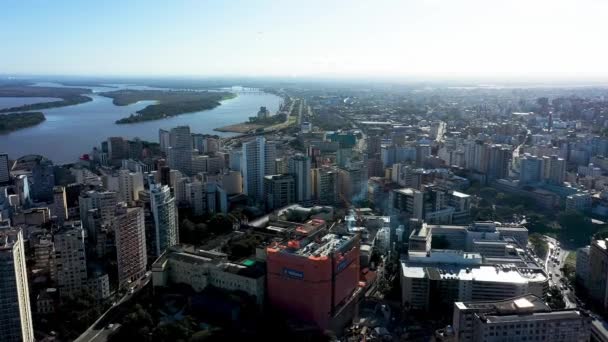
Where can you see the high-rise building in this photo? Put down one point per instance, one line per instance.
(70, 260)
(279, 191)
(15, 312)
(4, 168)
(164, 140)
(407, 201)
(522, 318)
(299, 167)
(530, 169)
(129, 185)
(59, 208)
(130, 232)
(374, 146)
(164, 214)
(582, 266)
(598, 272)
(258, 160)
(352, 182)
(557, 170)
(325, 185)
(104, 201)
(198, 142)
(322, 269)
(43, 180)
(498, 164)
(180, 150)
(118, 148)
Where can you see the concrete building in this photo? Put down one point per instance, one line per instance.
(598, 272)
(164, 213)
(279, 191)
(118, 149)
(43, 180)
(232, 182)
(322, 268)
(59, 208)
(580, 201)
(407, 201)
(299, 167)
(434, 280)
(4, 168)
(201, 268)
(325, 185)
(582, 266)
(164, 140)
(129, 185)
(15, 311)
(70, 260)
(258, 160)
(521, 318)
(130, 236)
(180, 150)
(530, 170)
(104, 201)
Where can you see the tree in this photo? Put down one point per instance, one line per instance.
(539, 245)
(220, 224)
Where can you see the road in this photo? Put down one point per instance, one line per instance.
(553, 264)
(99, 331)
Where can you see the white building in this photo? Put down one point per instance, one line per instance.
(164, 213)
(129, 185)
(257, 161)
(70, 260)
(299, 167)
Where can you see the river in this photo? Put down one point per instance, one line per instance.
(71, 131)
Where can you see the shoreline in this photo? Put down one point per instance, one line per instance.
(241, 128)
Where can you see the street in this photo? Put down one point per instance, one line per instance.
(553, 263)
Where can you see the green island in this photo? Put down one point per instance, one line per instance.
(16, 121)
(169, 103)
(68, 96)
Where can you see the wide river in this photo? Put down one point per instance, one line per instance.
(69, 132)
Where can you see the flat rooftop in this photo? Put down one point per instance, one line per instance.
(491, 274)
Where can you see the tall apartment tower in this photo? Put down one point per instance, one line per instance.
(299, 167)
(598, 272)
(129, 185)
(498, 164)
(104, 201)
(279, 191)
(15, 313)
(325, 185)
(59, 208)
(70, 260)
(530, 169)
(258, 160)
(164, 214)
(130, 231)
(164, 140)
(180, 149)
(4, 170)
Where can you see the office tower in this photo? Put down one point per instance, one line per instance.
(129, 185)
(232, 182)
(422, 153)
(353, 182)
(180, 150)
(130, 232)
(557, 170)
(582, 267)
(279, 191)
(4, 168)
(211, 145)
(325, 185)
(258, 160)
(299, 167)
(199, 164)
(498, 164)
(164, 214)
(375, 167)
(70, 260)
(198, 142)
(197, 197)
(374, 146)
(322, 269)
(164, 140)
(43, 180)
(59, 208)
(282, 166)
(522, 318)
(15, 312)
(530, 169)
(598, 264)
(235, 157)
(118, 148)
(104, 201)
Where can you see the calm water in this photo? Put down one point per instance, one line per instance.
(69, 132)
(9, 102)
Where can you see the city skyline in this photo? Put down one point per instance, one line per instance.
(407, 39)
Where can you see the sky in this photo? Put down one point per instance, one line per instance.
(406, 38)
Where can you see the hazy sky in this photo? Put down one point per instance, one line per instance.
(305, 38)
